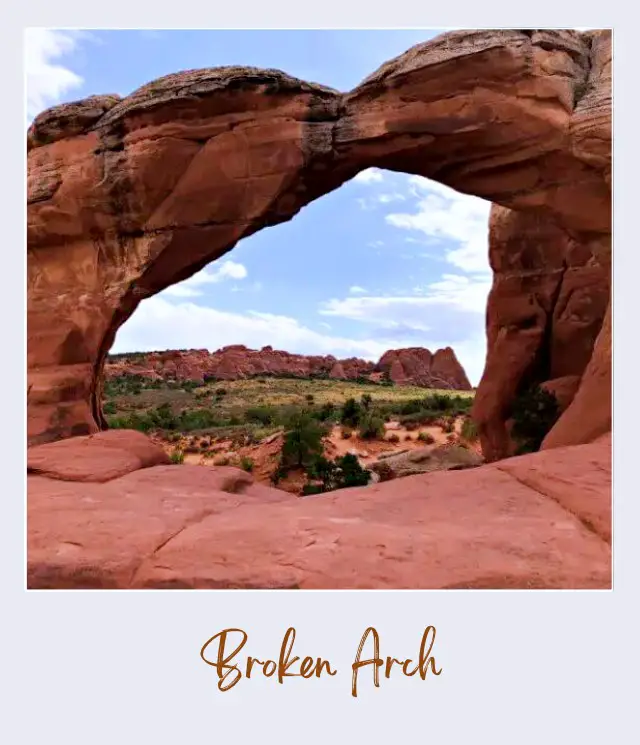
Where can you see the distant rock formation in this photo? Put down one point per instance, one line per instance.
(418, 366)
(414, 366)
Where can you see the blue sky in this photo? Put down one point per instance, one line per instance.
(388, 260)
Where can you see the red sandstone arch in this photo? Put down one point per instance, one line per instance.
(128, 196)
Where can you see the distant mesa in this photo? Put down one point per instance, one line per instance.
(412, 366)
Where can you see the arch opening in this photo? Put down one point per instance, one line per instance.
(128, 197)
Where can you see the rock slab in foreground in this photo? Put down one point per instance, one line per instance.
(537, 521)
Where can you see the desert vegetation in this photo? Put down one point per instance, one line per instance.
(533, 414)
(298, 422)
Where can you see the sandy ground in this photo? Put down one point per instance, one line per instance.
(369, 451)
(265, 455)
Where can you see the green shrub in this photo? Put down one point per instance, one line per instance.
(423, 417)
(366, 400)
(190, 385)
(326, 412)
(426, 437)
(534, 412)
(351, 413)
(438, 402)
(264, 415)
(371, 426)
(351, 472)
(311, 488)
(109, 407)
(341, 473)
(302, 440)
(469, 430)
(246, 464)
(177, 457)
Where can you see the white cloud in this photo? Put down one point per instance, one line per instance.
(468, 294)
(386, 198)
(442, 214)
(458, 292)
(47, 80)
(448, 312)
(191, 287)
(369, 176)
(356, 290)
(160, 324)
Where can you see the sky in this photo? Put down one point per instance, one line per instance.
(386, 261)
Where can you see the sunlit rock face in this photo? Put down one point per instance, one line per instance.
(128, 196)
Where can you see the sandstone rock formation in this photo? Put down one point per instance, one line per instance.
(537, 521)
(416, 366)
(425, 460)
(128, 196)
(419, 366)
(545, 311)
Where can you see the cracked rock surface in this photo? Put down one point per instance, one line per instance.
(536, 521)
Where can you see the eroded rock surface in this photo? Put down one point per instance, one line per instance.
(449, 457)
(419, 366)
(545, 311)
(415, 366)
(537, 521)
(128, 196)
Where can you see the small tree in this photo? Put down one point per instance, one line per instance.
(341, 473)
(327, 410)
(350, 413)
(366, 401)
(371, 426)
(302, 440)
(534, 412)
(351, 472)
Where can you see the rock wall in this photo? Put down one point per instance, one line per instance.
(544, 313)
(128, 196)
(415, 366)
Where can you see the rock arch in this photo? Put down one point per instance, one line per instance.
(128, 196)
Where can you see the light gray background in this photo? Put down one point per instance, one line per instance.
(124, 667)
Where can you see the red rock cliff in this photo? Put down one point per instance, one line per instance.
(416, 366)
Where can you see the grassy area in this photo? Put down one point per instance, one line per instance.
(288, 391)
(258, 406)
